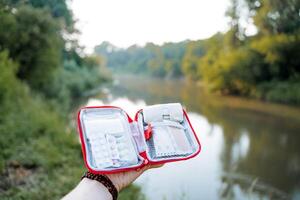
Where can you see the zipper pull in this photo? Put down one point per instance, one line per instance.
(146, 161)
(148, 132)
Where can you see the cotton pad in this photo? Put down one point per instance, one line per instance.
(156, 113)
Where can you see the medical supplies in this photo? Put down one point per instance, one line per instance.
(112, 141)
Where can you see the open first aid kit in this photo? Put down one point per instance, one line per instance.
(112, 142)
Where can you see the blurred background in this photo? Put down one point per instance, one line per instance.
(234, 65)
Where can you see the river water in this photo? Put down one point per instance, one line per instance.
(250, 149)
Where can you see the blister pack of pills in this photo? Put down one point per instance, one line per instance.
(108, 138)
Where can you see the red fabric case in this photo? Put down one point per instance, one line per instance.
(146, 159)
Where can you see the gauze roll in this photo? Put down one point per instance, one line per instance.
(160, 112)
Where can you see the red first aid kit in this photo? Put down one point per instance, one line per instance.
(112, 142)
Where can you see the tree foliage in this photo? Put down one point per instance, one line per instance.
(33, 35)
(58, 9)
(33, 40)
(275, 16)
(40, 79)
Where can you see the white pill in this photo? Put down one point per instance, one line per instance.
(102, 141)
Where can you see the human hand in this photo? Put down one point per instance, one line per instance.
(123, 179)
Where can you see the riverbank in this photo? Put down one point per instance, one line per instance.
(40, 155)
(239, 137)
(197, 90)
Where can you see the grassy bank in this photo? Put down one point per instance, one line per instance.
(38, 160)
(43, 72)
(40, 155)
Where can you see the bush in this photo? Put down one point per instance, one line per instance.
(280, 91)
(40, 156)
(33, 39)
(35, 146)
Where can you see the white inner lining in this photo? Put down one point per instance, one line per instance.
(135, 132)
(114, 121)
(194, 146)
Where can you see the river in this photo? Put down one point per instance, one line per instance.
(250, 149)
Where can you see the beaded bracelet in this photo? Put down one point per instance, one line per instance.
(104, 180)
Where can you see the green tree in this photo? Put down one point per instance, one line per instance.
(236, 32)
(33, 39)
(190, 61)
(275, 16)
(57, 8)
(280, 53)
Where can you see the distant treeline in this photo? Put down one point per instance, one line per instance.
(265, 65)
(154, 60)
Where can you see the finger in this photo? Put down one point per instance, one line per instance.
(151, 167)
(142, 169)
(155, 166)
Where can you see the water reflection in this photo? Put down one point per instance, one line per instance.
(249, 149)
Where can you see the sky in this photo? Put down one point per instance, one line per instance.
(128, 22)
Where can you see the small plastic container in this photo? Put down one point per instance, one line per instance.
(112, 142)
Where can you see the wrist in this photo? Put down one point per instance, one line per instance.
(89, 189)
(95, 188)
(104, 181)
